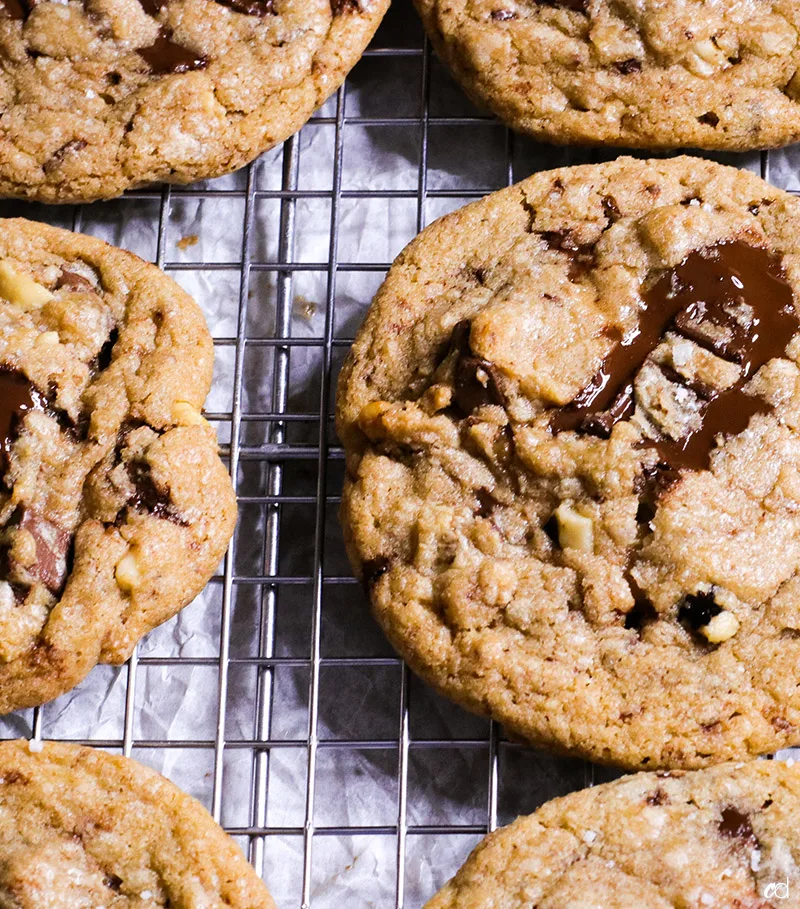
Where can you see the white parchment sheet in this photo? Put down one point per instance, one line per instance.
(174, 705)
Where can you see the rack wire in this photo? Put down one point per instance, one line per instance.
(415, 781)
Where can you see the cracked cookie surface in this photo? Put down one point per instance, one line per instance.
(82, 829)
(637, 73)
(100, 96)
(115, 507)
(573, 461)
(718, 838)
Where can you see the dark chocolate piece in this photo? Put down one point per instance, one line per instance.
(373, 569)
(73, 281)
(698, 609)
(15, 9)
(17, 398)
(164, 56)
(735, 825)
(150, 498)
(252, 7)
(732, 298)
(52, 550)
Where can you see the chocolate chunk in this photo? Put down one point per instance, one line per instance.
(476, 384)
(103, 359)
(255, 7)
(710, 118)
(17, 398)
(578, 6)
(582, 255)
(643, 612)
(703, 298)
(68, 148)
(150, 498)
(503, 15)
(113, 882)
(73, 281)
(657, 797)
(339, 7)
(698, 609)
(164, 56)
(15, 9)
(735, 825)
(152, 7)
(626, 67)
(52, 550)
(651, 484)
(373, 569)
(486, 502)
(550, 527)
(610, 208)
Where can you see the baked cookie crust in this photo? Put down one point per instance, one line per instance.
(571, 432)
(652, 74)
(718, 838)
(101, 96)
(115, 507)
(80, 827)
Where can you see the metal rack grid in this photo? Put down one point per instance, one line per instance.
(285, 461)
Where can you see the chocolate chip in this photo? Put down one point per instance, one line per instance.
(701, 299)
(257, 7)
(698, 609)
(73, 281)
(113, 882)
(486, 502)
(476, 384)
(710, 119)
(550, 527)
(373, 569)
(15, 9)
(152, 7)
(165, 57)
(103, 359)
(339, 7)
(657, 797)
(735, 825)
(503, 15)
(626, 67)
(68, 148)
(578, 6)
(18, 397)
(643, 612)
(149, 497)
(52, 549)
(610, 208)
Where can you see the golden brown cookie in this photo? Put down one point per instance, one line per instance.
(572, 428)
(99, 96)
(717, 839)
(639, 73)
(82, 829)
(115, 508)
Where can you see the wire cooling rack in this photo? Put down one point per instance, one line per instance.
(274, 698)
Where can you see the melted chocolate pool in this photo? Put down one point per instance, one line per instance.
(732, 299)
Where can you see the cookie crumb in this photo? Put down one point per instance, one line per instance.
(185, 242)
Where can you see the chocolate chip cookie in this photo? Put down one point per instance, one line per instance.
(639, 73)
(82, 829)
(114, 507)
(99, 96)
(572, 428)
(718, 838)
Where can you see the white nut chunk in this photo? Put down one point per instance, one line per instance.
(20, 289)
(722, 627)
(575, 530)
(127, 573)
(186, 414)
